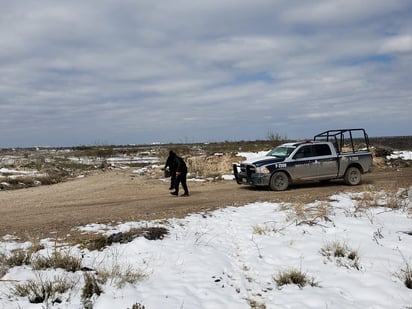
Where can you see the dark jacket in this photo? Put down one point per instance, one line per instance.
(180, 165)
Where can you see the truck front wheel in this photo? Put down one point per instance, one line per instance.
(279, 181)
(352, 176)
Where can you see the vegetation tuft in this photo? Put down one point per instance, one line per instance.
(91, 287)
(41, 290)
(119, 275)
(58, 259)
(342, 254)
(309, 214)
(406, 275)
(102, 241)
(294, 276)
(408, 278)
(18, 257)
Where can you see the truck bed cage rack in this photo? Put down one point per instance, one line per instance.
(338, 138)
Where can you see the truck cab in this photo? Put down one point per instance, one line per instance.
(296, 162)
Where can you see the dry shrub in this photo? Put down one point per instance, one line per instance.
(212, 166)
(405, 273)
(32, 181)
(20, 256)
(259, 229)
(407, 277)
(118, 275)
(58, 259)
(342, 254)
(17, 257)
(397, 198)
(392, 198)
(91, 287)
(100, 242)
(366, 200)
(35, 245)
(294, 276)
(19, 182)
(50, 179)
(41, 290)
(266, 227)
(310, 214)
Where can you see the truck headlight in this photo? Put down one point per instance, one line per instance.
(262, 170)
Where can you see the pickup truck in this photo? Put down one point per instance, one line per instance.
(332, 154)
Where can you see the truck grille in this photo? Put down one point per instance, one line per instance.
(248, 169)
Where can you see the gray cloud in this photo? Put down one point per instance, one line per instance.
(140, 71)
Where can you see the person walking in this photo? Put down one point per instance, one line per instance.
(181, 173)
(170, 165)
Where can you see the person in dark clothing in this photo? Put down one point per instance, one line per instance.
(181, 173)
(171, 165)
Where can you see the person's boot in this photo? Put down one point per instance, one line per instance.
(185, 194)
(174, 193)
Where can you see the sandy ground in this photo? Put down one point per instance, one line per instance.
(117, 196)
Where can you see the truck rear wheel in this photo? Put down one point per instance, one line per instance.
(352, 176)
(279, 181)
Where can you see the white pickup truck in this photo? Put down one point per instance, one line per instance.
(333, 154)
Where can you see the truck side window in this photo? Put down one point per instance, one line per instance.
(304, 152)
(322, 150)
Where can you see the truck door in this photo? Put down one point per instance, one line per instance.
(327, 164)
(304, 164)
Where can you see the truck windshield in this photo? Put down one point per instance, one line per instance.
(281, 151)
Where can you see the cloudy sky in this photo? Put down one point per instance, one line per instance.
(122, 72)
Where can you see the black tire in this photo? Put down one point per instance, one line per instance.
(279, 181)
(353, 176)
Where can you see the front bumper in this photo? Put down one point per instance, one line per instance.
(247, 175)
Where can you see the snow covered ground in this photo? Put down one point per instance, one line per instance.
(404, 155)
(234, 257)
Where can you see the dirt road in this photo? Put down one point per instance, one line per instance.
(116, 196)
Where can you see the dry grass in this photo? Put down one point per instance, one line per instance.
(396, 198)
(18, 257)
(294, 276)
(91, 287)
(119, 275)
(31, 181)
(63, 259)
(310, 214)
(259, 229)
(40, 290)
(341, 254)
(100, 242)
(266, 228)
(212, 166)
(392, 198)
(407, 277)
(367, 200)
(406, 273)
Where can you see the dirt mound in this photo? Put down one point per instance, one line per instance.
(212, 166)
